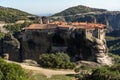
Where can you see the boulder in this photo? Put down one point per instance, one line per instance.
(30, 62)
(105, 60)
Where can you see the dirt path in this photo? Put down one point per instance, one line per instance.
(46, 72)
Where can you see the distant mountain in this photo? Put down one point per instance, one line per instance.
(11, 15)
(49, 14)
(77, 10)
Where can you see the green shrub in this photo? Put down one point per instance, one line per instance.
(17, 27)
(79, 76)
(1, 75)
(115, 57)
(83, 67)
(11, 71)
(104, 73)
(2, 35)
(58, 60)
(77, 70)
(115, 68)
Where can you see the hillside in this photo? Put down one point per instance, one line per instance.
(77, 10)
(113, 44)
(11, 15)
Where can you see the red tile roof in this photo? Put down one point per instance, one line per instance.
(56, 24)
(41, 26)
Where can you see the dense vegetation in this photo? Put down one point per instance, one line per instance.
(113, 44)
(77, 10)
(10, 71)
(58, 60)
(11, 15)
(104, 73)
(2, 35)
(17, 27)
(116, 58)
(100, 72)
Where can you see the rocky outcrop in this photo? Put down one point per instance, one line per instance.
(100, 51)
(10, 46)
(30, 62)
(89, 48)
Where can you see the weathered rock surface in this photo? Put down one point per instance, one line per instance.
(79, 46)
(105, 60)
(10, 45)
(30, 62)
(32, 48)
(100, 51)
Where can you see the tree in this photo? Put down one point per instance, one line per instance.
(58, 60)
(16, 27)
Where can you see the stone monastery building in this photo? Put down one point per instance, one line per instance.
(53, 37)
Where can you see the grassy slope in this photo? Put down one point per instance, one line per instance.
(11, 15)
(77, 10)
(54, 77)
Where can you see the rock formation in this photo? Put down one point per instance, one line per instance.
(89, 48)
(100, 50)
(10, 46)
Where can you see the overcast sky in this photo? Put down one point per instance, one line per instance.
(54, 6)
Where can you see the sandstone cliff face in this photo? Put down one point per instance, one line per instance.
(10, 45)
